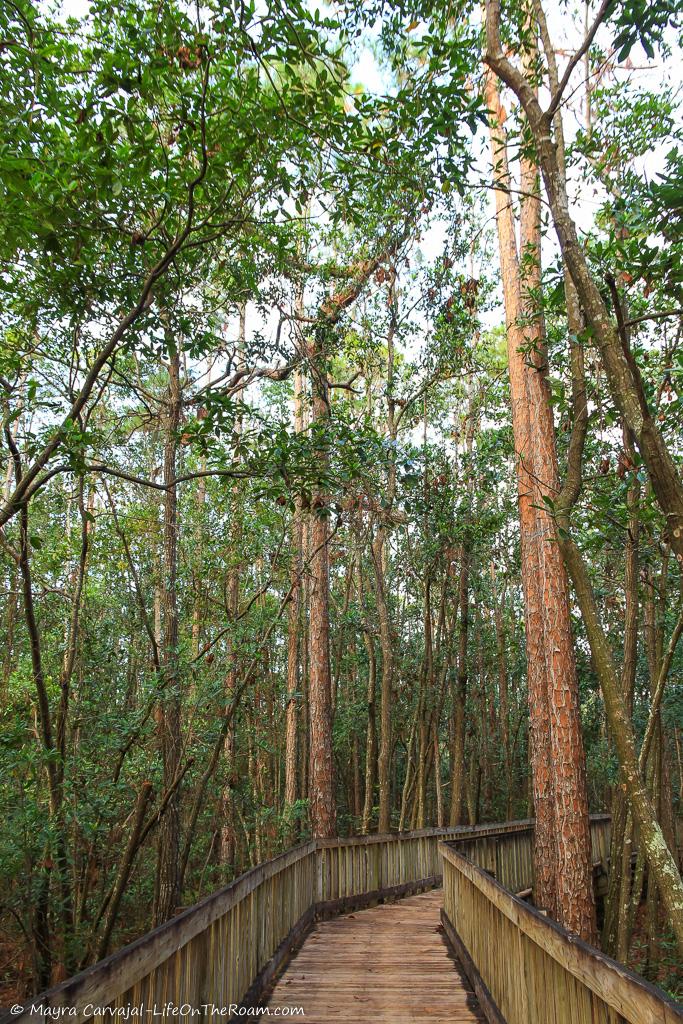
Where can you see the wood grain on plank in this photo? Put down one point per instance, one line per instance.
(388, 963)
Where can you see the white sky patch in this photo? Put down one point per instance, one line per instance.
(366, 72)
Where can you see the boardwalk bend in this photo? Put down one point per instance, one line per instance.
(421, 926)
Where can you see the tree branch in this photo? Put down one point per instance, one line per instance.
(590, 36)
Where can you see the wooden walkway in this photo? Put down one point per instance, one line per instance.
(390, 963)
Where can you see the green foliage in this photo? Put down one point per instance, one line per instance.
(204, 184)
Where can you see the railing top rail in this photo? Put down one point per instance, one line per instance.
(108, 977)
(457, 831)
(594, 969)
(504, 828)
(463, 831)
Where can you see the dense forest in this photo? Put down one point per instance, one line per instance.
(342, 379)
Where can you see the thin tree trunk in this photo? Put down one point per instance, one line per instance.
(321, 766)
(291, 715)
(321, 780)
(408, 779)
(379, 553)
(386, 682)
(356, 806)
(438, 790)
(168, 719)
(371, 737)
(615, 936)
(200, 502)
(460, 697)
(421, 791)
(622, 373)
(293, 626)
(124, 870)
(226, 846)
(502, 691)
(48, 971)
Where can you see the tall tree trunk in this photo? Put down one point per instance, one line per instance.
(622, 373)
(197, 610)
(460, 696)
(53, 741)
(576, 908)
(656, 773)
(356, 805)
(458, 772)
(502, 691)
(293, 628)
(545, 869)
(421, 782)
(321, 771)
(371, 736)
(409, 778)
(425, 718)
(291, 712)
(10, 621)
(473, 789)
(379, 560)
(563, 879)
(615, 935)
(305, 716)
(386, 681)
(321, 783)
(226, 847)
(438, 789)
(168, 717)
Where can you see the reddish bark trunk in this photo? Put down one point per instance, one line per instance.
(562, 848)
(321, 769)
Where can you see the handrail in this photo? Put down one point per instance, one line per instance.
(123, 972)
(509, 856)
(527, 969)
(223, 951)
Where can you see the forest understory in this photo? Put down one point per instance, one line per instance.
(341, 371)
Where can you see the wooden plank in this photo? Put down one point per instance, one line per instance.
(486, 1003)
(344, 904)
(627, 993)
(102, 983)
(282, 954)
(389, 963)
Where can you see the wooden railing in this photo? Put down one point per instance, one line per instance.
(509, 855)
(224, 951)
(209, 955)
(359, 870)
(526, 969)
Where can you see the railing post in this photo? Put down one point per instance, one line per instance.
(236, 938)
(319, 858)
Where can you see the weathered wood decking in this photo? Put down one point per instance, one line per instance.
(389, 963)
(385, 963)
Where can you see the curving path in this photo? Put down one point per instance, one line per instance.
(389, 963)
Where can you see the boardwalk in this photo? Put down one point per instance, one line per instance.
(389, 963)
